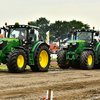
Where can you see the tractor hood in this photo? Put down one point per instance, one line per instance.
(8, 42)
(75, 41)
(76, 45)
(8, 39)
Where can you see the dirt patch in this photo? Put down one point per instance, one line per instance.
(69, 84)
(53, 62)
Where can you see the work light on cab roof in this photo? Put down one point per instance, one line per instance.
(5, 23)
(28, 22)
(16, 23)
(93, 27)
(73, 28)
(83, 28)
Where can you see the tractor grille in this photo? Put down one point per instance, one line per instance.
(70, 56)
(73, 46)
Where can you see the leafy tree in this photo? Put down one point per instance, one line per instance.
(58, 29)
(62, 29)
(78, 24)
(43, 25)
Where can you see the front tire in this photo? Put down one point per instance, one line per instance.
(87, 60)
(61, 59)
(42, 59)
(16, 61)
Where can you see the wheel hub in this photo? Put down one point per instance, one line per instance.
(43, 58)
(20, 61)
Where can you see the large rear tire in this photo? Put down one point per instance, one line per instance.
(16, 61)
(61, 59)
(87, 60)
(42, 59)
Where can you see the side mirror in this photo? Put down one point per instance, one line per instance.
(32, 31)
(0, 31)
(97, 33)
(30, 38)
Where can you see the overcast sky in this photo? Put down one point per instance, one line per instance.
(87, 11)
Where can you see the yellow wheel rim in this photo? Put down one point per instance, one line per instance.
(89, 59)
(20, 61)
(43, 58)
(67, 62)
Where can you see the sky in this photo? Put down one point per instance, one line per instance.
(22, 11)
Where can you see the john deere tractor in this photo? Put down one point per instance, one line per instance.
(83, 51)
(21, 45)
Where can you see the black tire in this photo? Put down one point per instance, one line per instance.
(61, 59)
(41, 65)
(75, 64)
(16, 61)
(87, 60)
(97, 66)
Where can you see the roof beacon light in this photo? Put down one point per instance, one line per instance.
(16, 23)
(28, 22)
(73, 28)
(5, 23)
(83, 28)
(93, 27)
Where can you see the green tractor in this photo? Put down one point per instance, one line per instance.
(22, 45)
(83, 51)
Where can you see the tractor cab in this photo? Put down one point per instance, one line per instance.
(91, 37)
(24, 34)
(21, 32)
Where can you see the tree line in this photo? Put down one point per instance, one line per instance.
(58, 29)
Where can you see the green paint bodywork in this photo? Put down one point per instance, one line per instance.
(35, 45)
(96, 48)
(31, 54)
(73, 55)
(11, 43)
(81, 45)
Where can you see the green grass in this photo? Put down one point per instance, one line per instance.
(53, 66)
(3, 67)
(53, 58)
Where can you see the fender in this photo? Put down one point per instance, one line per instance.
(97, 50)
(38, 45)
(89, 48)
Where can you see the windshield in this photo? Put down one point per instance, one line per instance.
(18, 33)
(87, 36)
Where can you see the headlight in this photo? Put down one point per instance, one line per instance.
(1, 42)
(73, 43)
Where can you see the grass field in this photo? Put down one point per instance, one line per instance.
(53, 58)
(5, 67)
